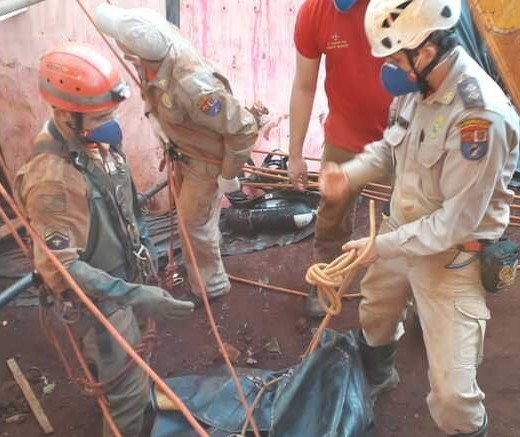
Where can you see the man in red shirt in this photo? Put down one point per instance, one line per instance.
(358, 107)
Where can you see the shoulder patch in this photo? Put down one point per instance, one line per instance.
(470, 92)
(56, 239)
(166, 101)
(53, 203)
(474, 138)
(209, 105)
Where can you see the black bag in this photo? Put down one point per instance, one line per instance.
(499, 263)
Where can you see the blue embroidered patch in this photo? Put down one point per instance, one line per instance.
(210, 105)
(474, 138)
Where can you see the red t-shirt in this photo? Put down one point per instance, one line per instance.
(358, 103)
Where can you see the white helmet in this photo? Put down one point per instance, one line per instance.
(393, 25)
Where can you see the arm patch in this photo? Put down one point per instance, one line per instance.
(474, 138)
(57, 239)
(470, 93)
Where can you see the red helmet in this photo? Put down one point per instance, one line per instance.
(77, 78)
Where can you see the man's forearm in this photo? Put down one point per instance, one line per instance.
(302, 100)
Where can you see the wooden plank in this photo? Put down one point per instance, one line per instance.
(498, 21)
(30, 396)
(4, 230)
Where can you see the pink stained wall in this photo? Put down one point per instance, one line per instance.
(250, 41)
(24, 39)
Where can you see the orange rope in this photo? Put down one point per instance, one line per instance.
(14, 233)
(90, 380)
(53, 339)
(282, 289)
(270, 186)
(107, 42)
(37, 240)
(376, 193)
(265, 174)
(348, 275)
(372, 197)
(191, 257)
(265, 152)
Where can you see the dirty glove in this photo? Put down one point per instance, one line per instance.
(260, 112)
(156, 302)
(227, 185)
(159, 304)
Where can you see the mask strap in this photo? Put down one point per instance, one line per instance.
(422, 76)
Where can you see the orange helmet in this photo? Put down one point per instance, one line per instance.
(77, 78)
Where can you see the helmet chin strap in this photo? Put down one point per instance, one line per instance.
(77, 128)
(422, 77)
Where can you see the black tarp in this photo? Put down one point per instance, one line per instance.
(324, 395)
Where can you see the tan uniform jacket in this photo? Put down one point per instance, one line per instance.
(195, 108)
(454, 153)
(57, 201)
(53, 195)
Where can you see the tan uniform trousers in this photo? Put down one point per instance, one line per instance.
(451, 305)
(200, 208)
(334, 220)
(128, 395)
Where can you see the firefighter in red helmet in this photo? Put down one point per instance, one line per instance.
(78, 194)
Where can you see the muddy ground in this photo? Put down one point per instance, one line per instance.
(249, 318)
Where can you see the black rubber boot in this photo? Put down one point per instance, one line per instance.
(482, 432)
(313, 308)
(379, 365)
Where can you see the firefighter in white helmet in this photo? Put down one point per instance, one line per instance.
(452, 141)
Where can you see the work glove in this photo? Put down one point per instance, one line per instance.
(260, 112)
(159, 304)
(227, 185)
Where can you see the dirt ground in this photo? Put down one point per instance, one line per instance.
(249, 319)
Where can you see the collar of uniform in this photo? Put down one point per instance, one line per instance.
(164, 74)
(446, 93)
(52, 130)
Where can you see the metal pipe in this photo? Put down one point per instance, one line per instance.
(8, 6)
(18, 288)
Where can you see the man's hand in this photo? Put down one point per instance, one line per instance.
(334, 183)
(298, 172)
(359, 246)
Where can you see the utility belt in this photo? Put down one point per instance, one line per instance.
(175, 154)
(499, 261)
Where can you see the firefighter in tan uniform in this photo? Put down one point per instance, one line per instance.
(452, 141)
(78, 194)
(191, 107)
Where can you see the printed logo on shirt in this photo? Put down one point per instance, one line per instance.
(336, 41)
